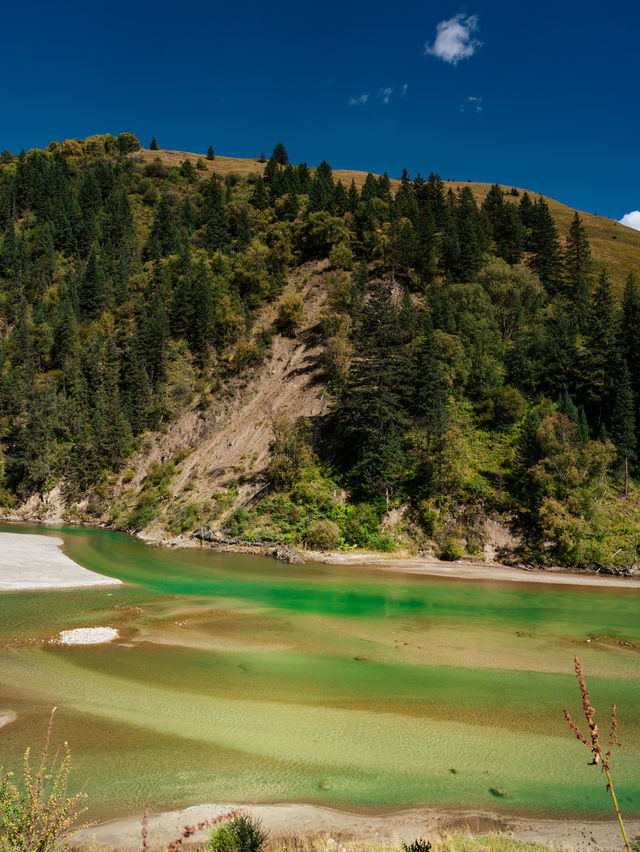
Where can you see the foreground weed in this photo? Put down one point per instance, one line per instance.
(40, 818)
(187, 830)
(598, 758)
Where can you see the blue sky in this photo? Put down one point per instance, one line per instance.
(542, 95)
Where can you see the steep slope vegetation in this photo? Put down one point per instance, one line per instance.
(326, 359)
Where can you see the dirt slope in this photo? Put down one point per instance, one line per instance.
(228, 444)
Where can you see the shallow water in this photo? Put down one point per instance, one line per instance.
(238, 678)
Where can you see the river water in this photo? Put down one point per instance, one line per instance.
(238, 678)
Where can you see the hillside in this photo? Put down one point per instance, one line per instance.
(613, 245)
(317, 358)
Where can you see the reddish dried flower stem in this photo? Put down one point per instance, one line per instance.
(594, 743)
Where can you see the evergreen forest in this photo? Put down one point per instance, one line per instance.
(479, 372)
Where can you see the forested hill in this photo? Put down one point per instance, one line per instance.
(328, 359)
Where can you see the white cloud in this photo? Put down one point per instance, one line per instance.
(385, 94)
(631, 220)
(453, 39)
(403, 93)
(357, 101)
(472, 103)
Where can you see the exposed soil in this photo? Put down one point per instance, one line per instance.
(395, 828)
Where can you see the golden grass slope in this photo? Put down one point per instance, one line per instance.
(614, 246)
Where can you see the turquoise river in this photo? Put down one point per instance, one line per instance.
(238, 678)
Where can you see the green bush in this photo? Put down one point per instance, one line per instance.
(452, 550)
(419, 845)
(290, 313)
(361, 526)
(239, 522)
(503, 405)
(243, 833)
(323, 535)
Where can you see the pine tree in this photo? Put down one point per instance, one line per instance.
(623, 423)
(210, 153)
(217, 224)
(578, 266)
(243, 231)
(429, 397)
(154, 145)
(91, 291)
(259, 196)
(164, 238)
(544, 245)
(372, 408)
(630, 343)
(280, 154)
(601, 354)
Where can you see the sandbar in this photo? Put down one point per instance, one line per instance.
(467, 570)
(88, 635)
(287, 820)
(36, 562)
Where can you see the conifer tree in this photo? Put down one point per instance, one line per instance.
(578, 266)
(623, 423)
(210, 153)
(601, 354)
(243, 231)
(372, 409)
(164, 238)
(217, 226)
(630, 343)
(354, 196)
(544, 246)
(280, 154)
(154, 145)
(91, 291)
(259, 196)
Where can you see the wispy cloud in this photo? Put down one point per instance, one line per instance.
(385, 94)
(403, 93)
(362, 99)
(631, 220)
(454, 40)
(472, 104)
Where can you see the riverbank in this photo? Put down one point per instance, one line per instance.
(300, 820)
(37, 562)
(425, 565)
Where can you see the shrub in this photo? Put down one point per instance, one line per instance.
(323, 535)
(419, 845)
(239, 522)
(503, 405)
(243, 833)
(41, 817)
(362, 526)
(290, 313)
(156, 169)
(340, 256)
(452, 550)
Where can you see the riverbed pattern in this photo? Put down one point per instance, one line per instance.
(237, 678)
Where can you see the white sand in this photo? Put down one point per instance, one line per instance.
(88, 635)
(394, 828)
(36, 562)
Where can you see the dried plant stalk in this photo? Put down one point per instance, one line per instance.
(593, 741)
